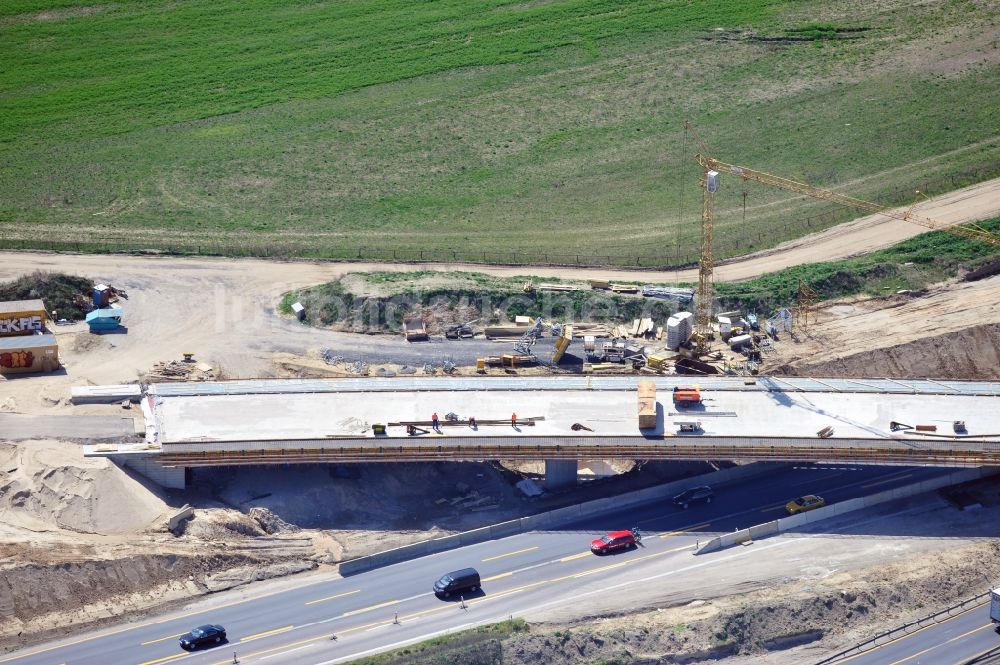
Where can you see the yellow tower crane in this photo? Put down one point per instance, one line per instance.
(712, 168)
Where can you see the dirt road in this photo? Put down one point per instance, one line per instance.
(222, 310)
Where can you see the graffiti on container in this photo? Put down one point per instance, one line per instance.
(24, 324)
(17, 359)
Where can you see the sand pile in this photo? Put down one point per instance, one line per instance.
(46, 485)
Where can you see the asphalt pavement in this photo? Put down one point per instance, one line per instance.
(332, 619)
(968, 638)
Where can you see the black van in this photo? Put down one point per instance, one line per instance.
(458, 581)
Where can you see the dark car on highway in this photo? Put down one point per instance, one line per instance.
(202, 635)
(613, 542)
(457, 582)
(694, 494)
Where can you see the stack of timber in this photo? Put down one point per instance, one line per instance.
(647, 404)
(503, 332)
(591, 330)
(642, 327)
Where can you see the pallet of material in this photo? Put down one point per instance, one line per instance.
(558, 287)
(493, 332)
(596, 331)
(600, 284)
(647, 404)
(624, 288)
(621, 330)
(600, 367)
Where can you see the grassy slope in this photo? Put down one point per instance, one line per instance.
(912, 264)
(475, 646)
(472, 126)
(465, 296)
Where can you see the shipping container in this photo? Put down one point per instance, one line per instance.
(22, 317)
(28, 353)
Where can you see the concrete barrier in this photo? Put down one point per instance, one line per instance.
(842, 507)
(185, 513)
(551, 518)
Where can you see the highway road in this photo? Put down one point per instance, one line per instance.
(331, 619)
(968, 638)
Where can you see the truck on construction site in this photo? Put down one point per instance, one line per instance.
(685, 396)
(995, 609)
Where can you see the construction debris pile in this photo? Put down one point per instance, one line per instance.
(180, 370)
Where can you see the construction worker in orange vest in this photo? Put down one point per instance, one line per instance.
(434, 422)
(513, 420)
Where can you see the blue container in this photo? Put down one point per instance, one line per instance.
(103, 320)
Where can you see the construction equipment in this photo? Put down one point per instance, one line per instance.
(562, 343)
(414, 329)
(461, 331)
(711, 168)
(685, 396)
(528, 338)
(511, 360)
(706, 265)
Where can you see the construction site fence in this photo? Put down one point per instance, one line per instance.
(775, 527)
(550, 519)
(676, 251)
(904, 630)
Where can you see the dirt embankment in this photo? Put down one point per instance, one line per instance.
(949, 331)
(973, 353)
(777, 624)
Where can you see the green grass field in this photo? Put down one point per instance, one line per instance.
(479, 130)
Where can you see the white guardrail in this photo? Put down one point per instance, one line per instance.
(551, 518)
(787, 523)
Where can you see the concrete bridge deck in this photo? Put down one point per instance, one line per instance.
(764, 418)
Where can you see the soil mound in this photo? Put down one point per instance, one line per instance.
(48, 485)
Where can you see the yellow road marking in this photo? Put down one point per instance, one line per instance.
(496, 577)
(141, 625)
(685, 530)
(265, 633)
(162, 639)
(903, 637)
(575, 556)
(936, 646)
(886, 480)
(367, 609)
(268, 650)
(442, 608)
(501, 556)
(164, 659)
(339, 595)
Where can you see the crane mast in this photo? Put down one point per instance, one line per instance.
(706, 263)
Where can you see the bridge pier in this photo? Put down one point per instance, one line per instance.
(171, 477)
(560, 473)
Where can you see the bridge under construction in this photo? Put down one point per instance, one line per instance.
(560, 420)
